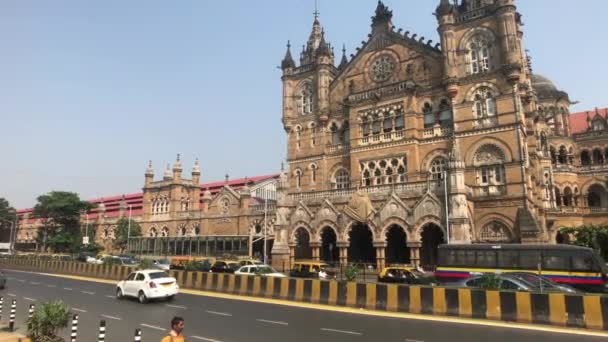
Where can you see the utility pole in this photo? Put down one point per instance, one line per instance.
(129, 228)
(447, 209)
(265, 237)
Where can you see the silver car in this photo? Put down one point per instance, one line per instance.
(519, 281)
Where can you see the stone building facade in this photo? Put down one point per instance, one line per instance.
(403, 146)
(371, 141)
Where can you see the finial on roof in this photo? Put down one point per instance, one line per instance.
(150, 170)
(168, 174)
(316, 12)
(178, 162)
(196, 169)
(323, 46)
(344, 60)
(227, 177)
(282, 166)
(383, 15)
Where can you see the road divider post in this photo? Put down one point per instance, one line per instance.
(102, 331)
(74, 332)
(11, 319)
(137, 337)
(30, 313)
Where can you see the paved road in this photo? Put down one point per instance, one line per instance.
(224, 320)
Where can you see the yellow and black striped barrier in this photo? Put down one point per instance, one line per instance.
(581, 311)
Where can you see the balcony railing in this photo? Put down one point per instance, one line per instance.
(436, 131)
(339, 148)
(382, 137)
(478, 13)
(259, 208)
(488, 190)
(418, 188)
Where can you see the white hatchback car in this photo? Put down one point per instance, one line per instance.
(261, 270)
(147, 284)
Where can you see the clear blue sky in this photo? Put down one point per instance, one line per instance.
(91, 90)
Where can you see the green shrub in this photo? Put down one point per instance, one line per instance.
(47, 320)
(351, 272)
(490, 281)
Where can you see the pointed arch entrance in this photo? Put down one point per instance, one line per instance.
(397, 251)
(361, 248)
(432, 236)
(302, 248)
(329, 251)
(257, 248)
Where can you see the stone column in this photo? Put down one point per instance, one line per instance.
(414, 252)
(292, 254)
(343, 246)
(316, 247)
(380, 254)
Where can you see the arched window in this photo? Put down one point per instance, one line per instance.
(558, 197)
(585, 158)
(479, 54)
(562, 158)
(313, 133)
(182, 230)
(399, 121)
(445, 113)
(489, 160)
(597, 196)
(484, 103)
(598, 156)
(438, 165)
(568, 197)
(306, 98)
(313, 172)
(298, 133)
(429, 117)
(153, 232)
(298, 176)
(342, 179)
(495, 232)
(598, 125)
(366, 126)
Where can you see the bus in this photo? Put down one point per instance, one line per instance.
(576, 266)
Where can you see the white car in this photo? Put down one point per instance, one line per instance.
(261, 270)
(147, 284)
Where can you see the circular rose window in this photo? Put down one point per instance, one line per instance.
(382, 68)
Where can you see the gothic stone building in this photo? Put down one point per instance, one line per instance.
(371, 140)
(403, 146)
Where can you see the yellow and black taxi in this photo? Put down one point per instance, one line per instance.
(311, 269)
(405, 275)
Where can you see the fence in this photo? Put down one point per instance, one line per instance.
(584, 311)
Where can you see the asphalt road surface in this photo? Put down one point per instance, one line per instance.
(226, 320)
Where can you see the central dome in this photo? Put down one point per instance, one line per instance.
(545, 88)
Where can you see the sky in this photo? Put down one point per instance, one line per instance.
(92, 90)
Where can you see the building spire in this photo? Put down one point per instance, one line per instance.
(344, 60)
(382, 18)
(150, 170)
(288, 61)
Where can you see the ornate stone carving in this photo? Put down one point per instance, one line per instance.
(359, 207)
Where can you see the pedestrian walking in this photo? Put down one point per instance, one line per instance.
(177, 326)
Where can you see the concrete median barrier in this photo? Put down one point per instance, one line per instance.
(580, 311)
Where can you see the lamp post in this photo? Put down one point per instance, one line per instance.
(265, 237)
(129, 228)
(447, 210)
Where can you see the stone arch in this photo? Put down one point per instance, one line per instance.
(301, 242)
(501, 145)
(591, 182)
(431, 236)
(423, 221)
(349, 226)
(323, 225)
(361, 243)
(484, 31)
(597, 196)
(470, 95)
(153, 231)
(428, 159)
(393, 220)
(396, 251)
(164, 232)
(182, 230)
(298, 225)
(328, 239)
(495, 231)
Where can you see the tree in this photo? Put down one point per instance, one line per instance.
(591, 236)
(122, 232)
(60, 212)
(8, 216)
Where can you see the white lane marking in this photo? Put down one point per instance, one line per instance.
(12, 295)
(272, 322)
(410, 340)
(30, 299)
(79, 310)
(218, 313)
(152, 327)
(177, 306)
(34, 283)
(51, 286)
(342, 331)
(87, 292)
(21, 280)
(204, 339)
(108, 296)
(67, 288)
(112, 317)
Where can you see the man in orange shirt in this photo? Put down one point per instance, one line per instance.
(177, 325)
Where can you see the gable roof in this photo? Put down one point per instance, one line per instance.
(578, 121)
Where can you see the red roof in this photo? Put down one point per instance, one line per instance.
(578, 121)
(112, 203)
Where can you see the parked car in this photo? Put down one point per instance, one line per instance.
(259, 270)
(405, 275)
(162, 264)
(537, 280)
(84, 256)
(147, 284)
(517, 282)
(221, 266)
(311, 269)
(250, 262)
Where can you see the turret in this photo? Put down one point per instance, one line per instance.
(196, 172)
(288, 63)
(177, 169)
(168, 175)
(149, 176)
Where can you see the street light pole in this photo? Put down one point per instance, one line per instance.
(265, 210)
(447, 210)
(129, 228)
